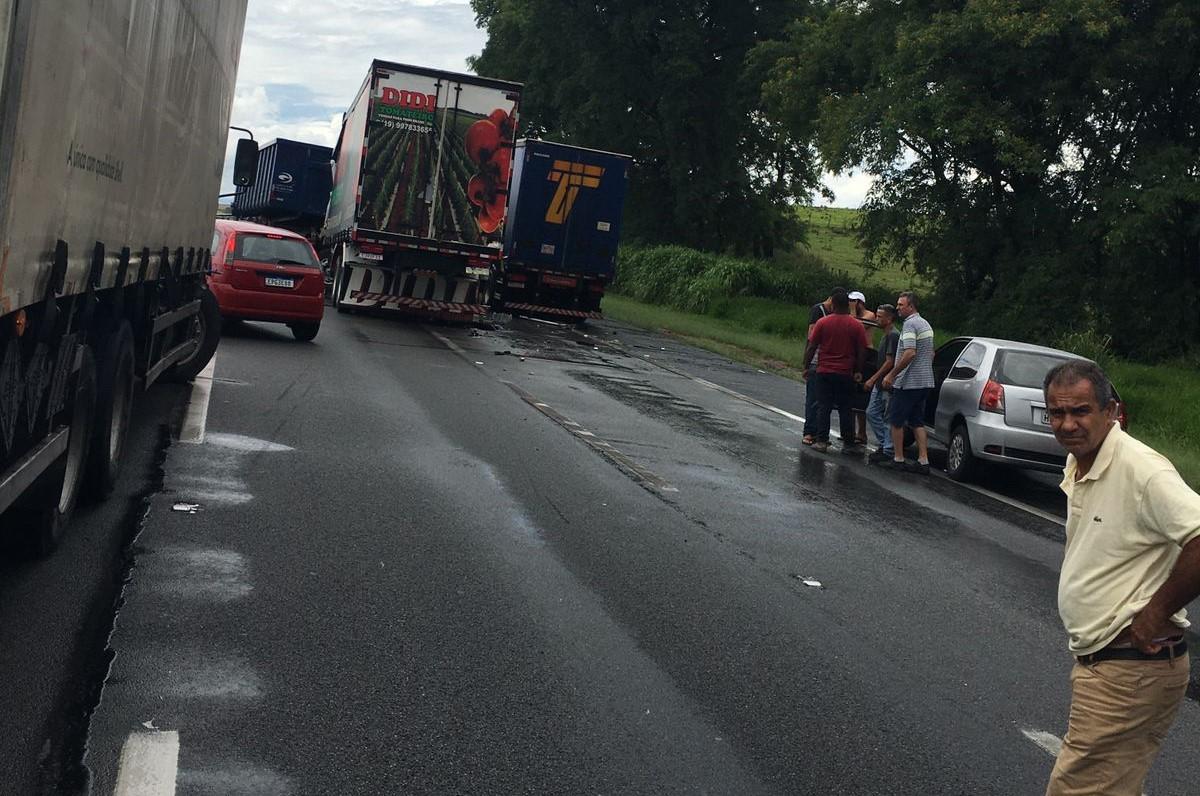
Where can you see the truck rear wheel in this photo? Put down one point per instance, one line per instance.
(114, 402)
(46, 515)
(206, 326)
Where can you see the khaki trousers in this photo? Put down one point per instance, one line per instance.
(1120, 714)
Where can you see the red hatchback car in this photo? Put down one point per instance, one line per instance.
(262, 273)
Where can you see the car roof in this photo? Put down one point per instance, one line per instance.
(227, 224)
(1015, 345)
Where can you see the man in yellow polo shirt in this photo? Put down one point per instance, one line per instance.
(1132, 562)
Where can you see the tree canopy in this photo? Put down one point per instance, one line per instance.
(1036, 160)
(666, 81)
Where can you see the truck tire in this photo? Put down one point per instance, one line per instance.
(305, 332)
(960, 461)
(115, 384)
(54, 498)
(206, 325)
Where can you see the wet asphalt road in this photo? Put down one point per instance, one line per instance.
(55, 617)
(443, 561)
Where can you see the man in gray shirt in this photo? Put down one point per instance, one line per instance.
(910, 381)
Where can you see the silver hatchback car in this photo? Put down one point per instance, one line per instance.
(988, 405)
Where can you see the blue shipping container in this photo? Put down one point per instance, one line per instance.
(564, 208)
(292, 182)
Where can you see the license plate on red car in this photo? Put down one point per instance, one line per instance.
(280, 281)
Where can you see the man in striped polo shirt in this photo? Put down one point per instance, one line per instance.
(910, 381)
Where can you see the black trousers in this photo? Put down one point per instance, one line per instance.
(833, 391)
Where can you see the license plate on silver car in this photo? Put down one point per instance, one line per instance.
(280, 281)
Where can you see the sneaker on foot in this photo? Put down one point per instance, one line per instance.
(852, 449)
(917, 467)
(820, 447)
(879, 456)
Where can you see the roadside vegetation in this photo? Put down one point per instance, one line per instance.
(1034, 164)
(756, 312)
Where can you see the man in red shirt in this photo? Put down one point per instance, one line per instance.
(843, 343)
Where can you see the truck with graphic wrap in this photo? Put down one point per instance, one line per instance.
(113, 125)
(420, 188)
(564, 223)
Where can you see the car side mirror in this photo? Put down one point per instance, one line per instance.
(245, 163)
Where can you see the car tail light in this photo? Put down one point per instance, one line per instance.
(516, 277)
(992, 399)
(596, 287)
(227, 257)
(1123, 415)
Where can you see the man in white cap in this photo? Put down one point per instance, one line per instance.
(858, 306)
(858, 309)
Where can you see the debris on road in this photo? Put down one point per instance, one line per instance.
(187, 508)
(809, 581)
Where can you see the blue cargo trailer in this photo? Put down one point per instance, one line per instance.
(291, 188)
(563, 226)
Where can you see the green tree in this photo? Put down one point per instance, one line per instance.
(1038, 160)
(668, 83)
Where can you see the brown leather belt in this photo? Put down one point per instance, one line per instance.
(1133, 654)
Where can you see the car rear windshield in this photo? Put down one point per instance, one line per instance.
(265, 249)
(1024, 368)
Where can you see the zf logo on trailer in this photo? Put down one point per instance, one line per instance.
(571, 177)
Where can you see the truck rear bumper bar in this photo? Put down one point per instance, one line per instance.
(420, 305)
(16, 479)
(558, 312)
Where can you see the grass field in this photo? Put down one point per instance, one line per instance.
(1162, 399)
(831, 237)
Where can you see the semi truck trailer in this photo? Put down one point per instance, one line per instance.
(564, 223)
(113, 123)
(290, 189)
(420, 191)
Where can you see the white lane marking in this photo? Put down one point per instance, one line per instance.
(453, 346)
(149, 762)
(196, 418)
(1048, 742)
(1016, 504)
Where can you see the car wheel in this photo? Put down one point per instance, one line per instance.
(114, 402)
(960, 461)
(304, 332)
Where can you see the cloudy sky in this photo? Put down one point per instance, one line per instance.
(302, 62)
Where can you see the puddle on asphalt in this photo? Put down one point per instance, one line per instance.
(680, 414)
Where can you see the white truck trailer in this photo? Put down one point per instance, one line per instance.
(113, 122)
(416, 216)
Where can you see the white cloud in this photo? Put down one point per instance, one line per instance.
(849, 188)
(302, 62)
